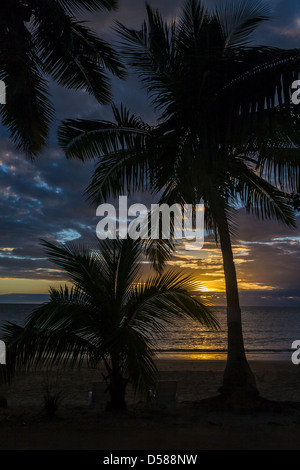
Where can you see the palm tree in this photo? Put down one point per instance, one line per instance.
(227, 134)
(109, 315)
(40, 39)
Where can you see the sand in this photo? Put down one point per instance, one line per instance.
(186, 426)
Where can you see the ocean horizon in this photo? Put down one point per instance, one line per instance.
(268, 333)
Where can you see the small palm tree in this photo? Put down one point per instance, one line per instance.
(227, 134)
(40, 39)
(109, 315)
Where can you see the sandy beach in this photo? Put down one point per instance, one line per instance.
(187, 426)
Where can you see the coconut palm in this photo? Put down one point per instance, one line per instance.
(41, 40)
(110, 315)
(227, 134)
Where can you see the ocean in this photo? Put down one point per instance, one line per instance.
(268, 333)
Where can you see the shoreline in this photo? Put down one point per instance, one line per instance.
(212, 356)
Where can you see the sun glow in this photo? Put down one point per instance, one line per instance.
(28, 286)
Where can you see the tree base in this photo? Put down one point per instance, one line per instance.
(116, 407)
(239, 385)
(3, 402)
(240, 398)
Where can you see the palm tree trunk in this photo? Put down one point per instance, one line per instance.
(116, 387)
(238, 381)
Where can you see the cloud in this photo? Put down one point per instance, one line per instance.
(283, 28)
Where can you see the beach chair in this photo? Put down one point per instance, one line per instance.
(165, 394)
(98, 396)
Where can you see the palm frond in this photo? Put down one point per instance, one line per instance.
(150, 51)
(122, 263)
(77, 6)
(117, 174)
(86, 139)
(67, 308)
(139, 357)
(168, 297)
(84, 268)
(260, 66)
(44, 38)
(159, 251)
(72, 54)
(239, 19)
(277, 148)
(263, 199)
(29, 348)
(21, 70)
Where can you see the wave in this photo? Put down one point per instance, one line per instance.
(220, 350)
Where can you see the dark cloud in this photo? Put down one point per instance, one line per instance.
(250, 228)
(283, 29)
(276, 265)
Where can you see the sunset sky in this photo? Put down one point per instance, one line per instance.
(44, 199)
